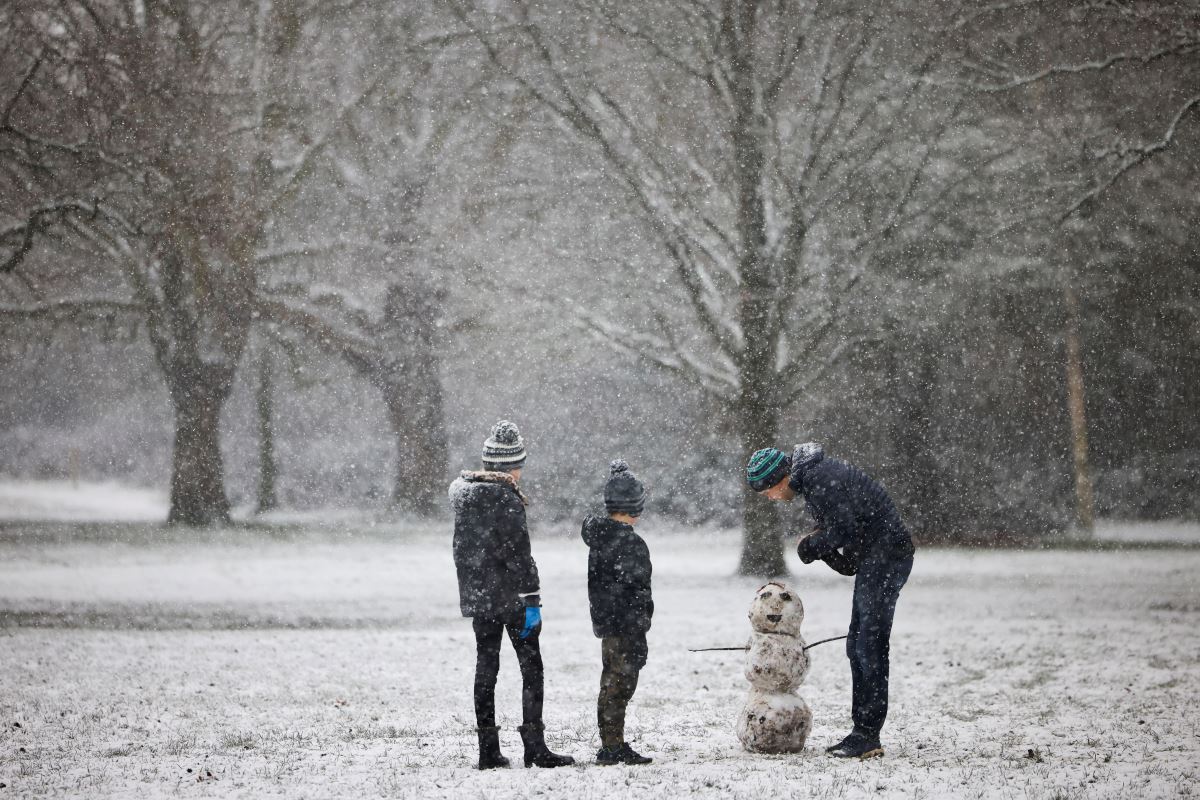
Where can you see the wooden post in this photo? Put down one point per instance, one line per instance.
(1084, 503)
(265, 408)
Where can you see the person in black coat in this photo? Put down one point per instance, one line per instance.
(498, 589)
(860, 533)
(619, 572)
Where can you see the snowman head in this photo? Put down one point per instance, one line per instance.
(776, 609)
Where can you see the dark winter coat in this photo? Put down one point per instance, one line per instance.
(618, 578)
(491, 546)
(853, 513)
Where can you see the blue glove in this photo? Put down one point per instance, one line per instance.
(533, 619)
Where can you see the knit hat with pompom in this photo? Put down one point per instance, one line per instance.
(504, 449)
(623, 493)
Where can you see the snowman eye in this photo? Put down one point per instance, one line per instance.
(787, 598)
(766, 594)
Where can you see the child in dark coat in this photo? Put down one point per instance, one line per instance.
(619, 595)
(498, 590)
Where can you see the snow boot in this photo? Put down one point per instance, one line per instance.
(536, 752)
(845, 740)
(624, 754)
(858, 745)
(490, 756)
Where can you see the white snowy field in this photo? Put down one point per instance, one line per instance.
(289, 662)
(66, 500)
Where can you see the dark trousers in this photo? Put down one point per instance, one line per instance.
(876, 590)
(488, 635)
(623, 658)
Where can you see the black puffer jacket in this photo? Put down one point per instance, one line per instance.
(853, 513)
(618, 578)
(491, 546)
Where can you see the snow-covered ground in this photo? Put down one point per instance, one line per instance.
(301, 663)
(80, 501)
(83, 501)
(1146, 532)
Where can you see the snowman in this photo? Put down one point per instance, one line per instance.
(775, 719)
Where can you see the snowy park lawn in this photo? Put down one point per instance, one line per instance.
(295, 662)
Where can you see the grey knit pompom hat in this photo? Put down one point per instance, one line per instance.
(504, 449)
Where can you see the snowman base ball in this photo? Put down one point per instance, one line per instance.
(773, 722)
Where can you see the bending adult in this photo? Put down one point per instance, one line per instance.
(860, 533)
(498, 589)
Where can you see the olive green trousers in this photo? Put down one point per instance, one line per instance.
(623, 658)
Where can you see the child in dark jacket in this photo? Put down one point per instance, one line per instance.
(619, 595)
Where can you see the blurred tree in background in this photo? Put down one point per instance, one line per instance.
(672, 232)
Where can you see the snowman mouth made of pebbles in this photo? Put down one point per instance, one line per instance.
(775, 719)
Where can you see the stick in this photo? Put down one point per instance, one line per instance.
(823, 641)
(807, 646)
(710, 649)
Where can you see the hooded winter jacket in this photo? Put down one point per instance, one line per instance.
(618, 578)
(853, 513)
(497, 576)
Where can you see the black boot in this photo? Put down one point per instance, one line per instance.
(623, 754)
(490, 756)
(858, 745)
(536, 752)
(845, 740)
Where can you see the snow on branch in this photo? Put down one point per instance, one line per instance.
(12, 101)
(1131, 158)
(21, 237)
(1005, 80)
(687, 234)
(360, 352)
(636, 34)
(659, 351)
(963, 20)
(71, 307)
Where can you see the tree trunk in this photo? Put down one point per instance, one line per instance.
(410, 380)
(264, 404)
(421, 448)
(1084, 504)
(754, 408)
(762, 539)
(197, 471)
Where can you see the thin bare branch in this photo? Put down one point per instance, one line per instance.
(71, 307)
(1017, 81)
(12, 102)
(1133, 158)
(40, 220)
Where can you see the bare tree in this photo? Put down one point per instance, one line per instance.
(1127, 71)
(382, 312)
(1115, 84)
(155, 149)
(396, 353)
(772, 150)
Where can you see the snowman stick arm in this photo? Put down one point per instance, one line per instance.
(823, 641)
(710, 649)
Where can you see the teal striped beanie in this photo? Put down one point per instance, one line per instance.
(767, 467)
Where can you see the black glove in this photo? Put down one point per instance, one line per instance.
(840, 563)
(804, 549)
